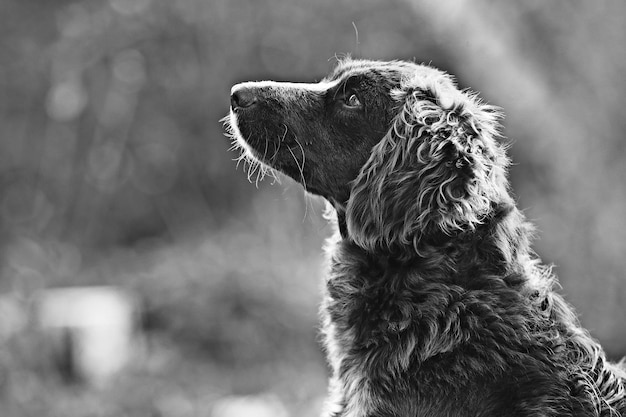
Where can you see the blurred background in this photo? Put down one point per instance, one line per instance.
(142, 274)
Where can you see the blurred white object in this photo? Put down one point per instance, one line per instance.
(250, 406)
(89, 328)
(13, 316)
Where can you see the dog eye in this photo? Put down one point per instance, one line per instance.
(353, 101)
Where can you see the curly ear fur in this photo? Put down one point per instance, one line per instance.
(438, 169)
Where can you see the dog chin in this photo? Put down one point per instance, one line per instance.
(236, 133)
(286, 167)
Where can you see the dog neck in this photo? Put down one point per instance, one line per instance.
(341, 224)
(502, 241)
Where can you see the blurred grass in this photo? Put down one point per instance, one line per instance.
(218, 318)
(114, 170)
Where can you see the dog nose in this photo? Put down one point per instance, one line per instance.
(242, 97)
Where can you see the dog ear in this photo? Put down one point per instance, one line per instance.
(437, 170)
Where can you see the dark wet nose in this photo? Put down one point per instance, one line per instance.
(242, 97)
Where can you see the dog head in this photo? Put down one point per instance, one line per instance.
(320, 134)
(396, 147)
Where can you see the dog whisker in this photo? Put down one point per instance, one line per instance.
(254, 168)
(302, 179)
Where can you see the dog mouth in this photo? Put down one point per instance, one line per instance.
(269, 143)
(266, 144)
(261, 126)
(240, 142)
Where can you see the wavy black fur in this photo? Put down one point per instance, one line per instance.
(434, 303)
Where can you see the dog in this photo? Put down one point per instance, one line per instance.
(434, 303)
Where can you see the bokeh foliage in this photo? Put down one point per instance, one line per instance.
(114, 170)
